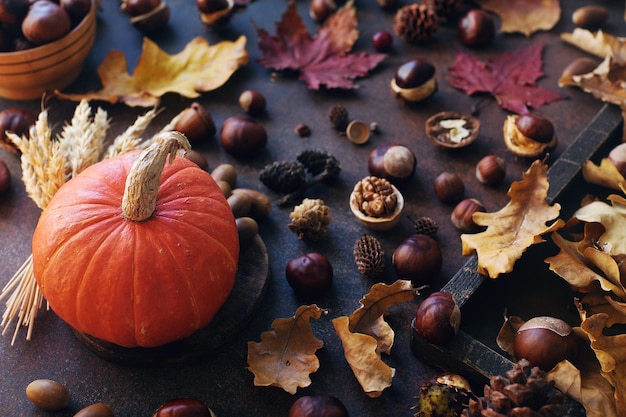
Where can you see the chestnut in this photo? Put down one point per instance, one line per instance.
(476, 28)
(414, 80)
(393, 162)
(545, 341)
(196, 123)
(309, 275)
(382, 41)
(16, 120)
(590, 17)
(252, 102)
(153, 20)
(318, 406)
(76, 9)
(449, 187)
(462, 215)
(45, 22)
(418, 258)
(438, 318)
(95, 410)
(320, 10)
(184, 407)
(12, 12)
(215, 11)
(198, 159)
(139, 7)
(491, 170)
(5, 177)
(242, 137)
(528, 135)
(444, 395)
(617, 156)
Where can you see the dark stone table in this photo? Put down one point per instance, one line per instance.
(222, 380)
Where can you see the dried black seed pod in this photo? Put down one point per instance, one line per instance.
(369, 256)
(426, 226)
(320, 164)
(283, 177)
(338, 116)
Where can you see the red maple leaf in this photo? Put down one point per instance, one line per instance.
(510, 77)
(323, 59)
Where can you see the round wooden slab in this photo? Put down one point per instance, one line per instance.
(250, 285)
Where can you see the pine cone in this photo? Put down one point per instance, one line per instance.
(369, 256)
(415, 22)
(283, 177)
(523, 392)
(310, 220)
(320, 164)
(426, 226)
(445, 9)
(338, 117)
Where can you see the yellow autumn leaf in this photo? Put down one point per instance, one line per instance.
(612, 217)
(598, 43)
(286, 355)
(511, 230)
(524, 16)
(605, 174)
(601, 302)
(198, 68)
(365, 334)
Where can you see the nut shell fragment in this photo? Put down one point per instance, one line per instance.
(520, 144)
(452, 129)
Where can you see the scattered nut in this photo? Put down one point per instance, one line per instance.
(242, 137)
(461, 216)
(184, 407)
(95, 410)
(394, 162)
(197, 158)
(215, 11)
(45, 22)
(260, 203)
(491, 170)
(358, 132)
(590, 17)
(328, 406)
(452, 129)
(414, 80)
(418, 258)
(240, 203)
(226, 173)
(247, 228)
(438, 318)
(196, 123)
(449, 187)
(15, 120)
(476, 29)
(302, 130)
(48, 394)
(528, 135)
(5, 177)
(252, 102)
(320, 10)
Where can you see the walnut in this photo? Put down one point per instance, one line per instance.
(375, 196)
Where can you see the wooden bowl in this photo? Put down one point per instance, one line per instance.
(27, 74)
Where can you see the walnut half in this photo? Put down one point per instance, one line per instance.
(375, 196)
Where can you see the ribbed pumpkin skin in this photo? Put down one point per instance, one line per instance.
(136, 283)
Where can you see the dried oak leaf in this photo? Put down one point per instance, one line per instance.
(286, 355)
(365, 334)
(198, 68)
(524, 16)
(509, 77)
(599, 43)
(516, 226)
(605, 174)
(323, 59)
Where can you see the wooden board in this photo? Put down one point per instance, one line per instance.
(250, 285)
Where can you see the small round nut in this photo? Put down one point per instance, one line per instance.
(215, 11)
(45, 22)
(226, 173)
(462, 215)
(197, 158)
(529, 135)
(196, 123)
(247, 228)
(320, 10)
(154, 20)
(476, 29)
(449, 187)
(48, 394)
(252, 102)
(393, 162)
(414, 80)
(95, 410)
(242, 137)
(590, 17)
(491, 170)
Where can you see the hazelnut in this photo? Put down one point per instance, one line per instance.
(226, 173)
(449, 187)
(76, 10)
(12, 12)
(476, 29)
(196, 123)
(590, 17)
(438, 318)
(197, 158)
(252, 102)
(617, 156)
(15, 120)
(95, 410)
(215, 11)
(260, 203)
(318, 406)
(48, 394)
(45, 22)
(491, 170)
(418, 258)
(184, 407)
(240, 203)
(320, 10)
(462, 214)
(529, 135)
(242, 137)
(414, 80)
(154, 20)
(545, 341)
(310, 275)
(393, 162)
(5, 177)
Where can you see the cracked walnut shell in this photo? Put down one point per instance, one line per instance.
(376, 203)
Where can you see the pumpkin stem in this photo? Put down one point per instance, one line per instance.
(144, 178)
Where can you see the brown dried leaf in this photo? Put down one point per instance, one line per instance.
(601, 302)
(612, 217)
(524, 16)
(598, 43)
(365, 334)
(515, 227)
(286, 355)
(198, 68)
(506, 335)
(605, 174)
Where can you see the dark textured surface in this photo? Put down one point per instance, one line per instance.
(223, 381)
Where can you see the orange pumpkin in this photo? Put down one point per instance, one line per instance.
(135, 251)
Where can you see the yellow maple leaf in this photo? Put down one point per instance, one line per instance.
(365, 334)
(511, 230)
(198, 68)
(286, 355)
